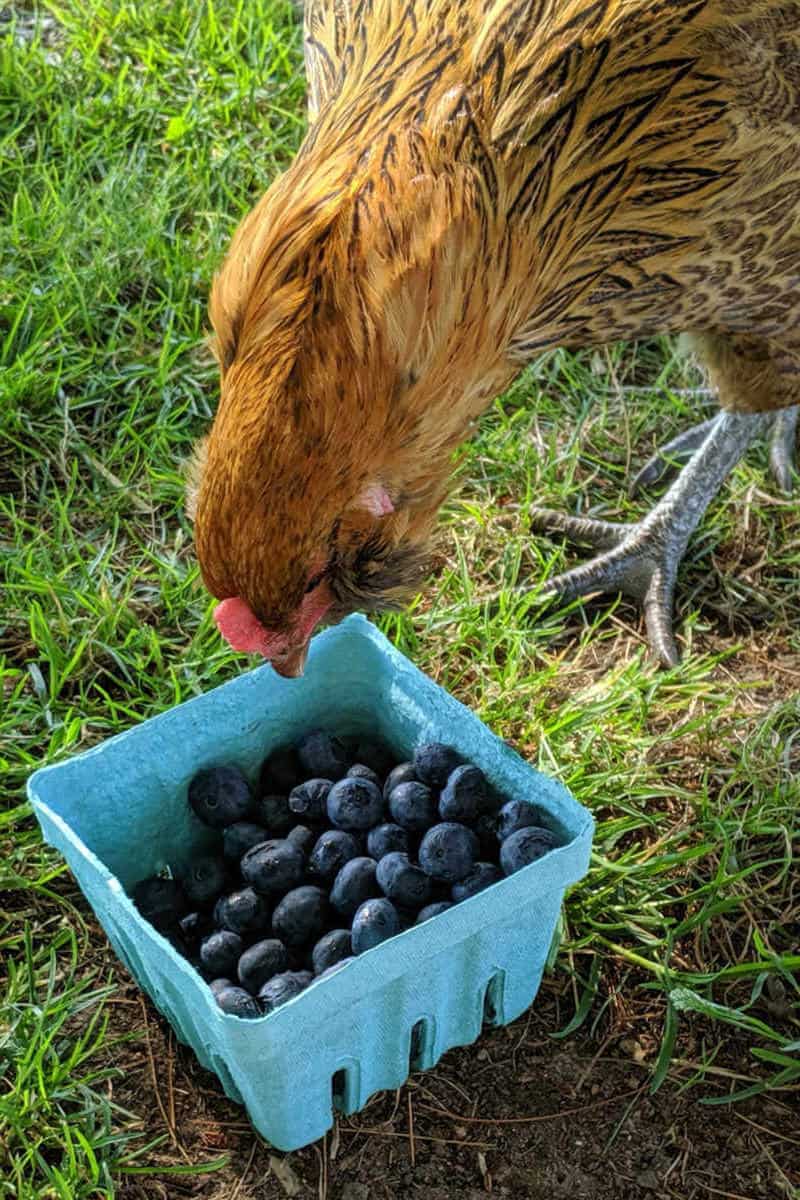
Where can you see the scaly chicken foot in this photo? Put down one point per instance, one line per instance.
(641, 559)
(668, 459)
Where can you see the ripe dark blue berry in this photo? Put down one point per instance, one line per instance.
(402, 773)
(384, 838)
(238, 1003)
(162, 902)
(243, 912)
(220, 952)
(273, 867)
(463, 794)
(482, 875)
(282, 988)
(193, 927)
(524, 847)
(331, 851)
(355, 883)
(374, 922)
(374, 755)
(402, 881)
(330, 949)
(486, 831)
(412, 806)
(517, 814)
(220, 796)
(205, 879)
(300, 916)
(219, 985)
(335, 967)
(280, 772)
(260, 962)
(355, 804)
(447, 852)
(360, 771)
(308, 800)
(432, 910)
(240, 837)
(274, 813)
(303, 838)
(322, 756)
(434, 762)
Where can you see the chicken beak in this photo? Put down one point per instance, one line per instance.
(292, 664)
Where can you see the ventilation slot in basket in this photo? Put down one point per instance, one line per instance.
(339, 1089)
(493, 1001)
(420, 1043)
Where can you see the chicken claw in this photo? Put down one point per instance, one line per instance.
(641, 559)
(667, 460)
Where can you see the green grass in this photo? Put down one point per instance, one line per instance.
(133, 137)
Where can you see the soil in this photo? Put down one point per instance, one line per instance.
(519, 1115)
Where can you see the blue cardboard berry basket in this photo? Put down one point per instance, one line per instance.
(119, 813)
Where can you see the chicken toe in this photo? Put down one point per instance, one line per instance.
(641, 559)
(668, 459)
(783, 459)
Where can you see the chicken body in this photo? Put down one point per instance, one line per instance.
(481, 182)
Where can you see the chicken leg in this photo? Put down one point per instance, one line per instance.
(782, 458)
(641, 559)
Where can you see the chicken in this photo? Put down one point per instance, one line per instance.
(481, 181)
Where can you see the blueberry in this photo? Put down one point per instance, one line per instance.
(274, 813)
(308, 800)
(355, 804)
(359, 771)
(463, 794)
(273, 867)
(432, 910)
(434, 762)
(220, 796)
(238, 1003)
(283, 987)
(162, 902)
(374, 755)
(374, 922)
(335, 967)
(301, 915)
(517, 814)
(240, 837)
(193, 927)
(331, 851)
(242, 912)
(322, 756)
(219, 985)
(280, 772)
(403, 881)
(205, 879)
(482, 875)
(412, 805)
(260, 962)
(384, 838)
(355, 883)
(524, 847)
(486, 832)
(331, 949)
(403, 773)
(220, 952)
(303, 838)
(447, 852)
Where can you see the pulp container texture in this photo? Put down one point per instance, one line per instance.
(118, 813)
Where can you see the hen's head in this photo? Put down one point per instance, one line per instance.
(343, 324)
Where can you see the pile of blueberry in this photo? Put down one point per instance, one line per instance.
(338, 851)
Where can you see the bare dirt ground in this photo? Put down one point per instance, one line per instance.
(518, 1115)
